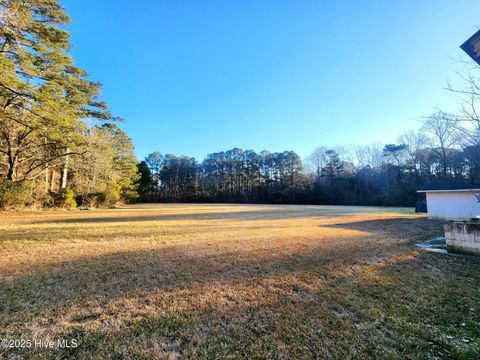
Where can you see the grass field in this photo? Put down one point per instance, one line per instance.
(235, 281)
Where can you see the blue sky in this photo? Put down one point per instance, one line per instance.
(195, 77)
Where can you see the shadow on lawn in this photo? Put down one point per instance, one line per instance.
(410, 229)
(260, 214)
(345, 308)
(170, 281)
(113, 276)
(397, 227)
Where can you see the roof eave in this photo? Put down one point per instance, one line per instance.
(451, 190)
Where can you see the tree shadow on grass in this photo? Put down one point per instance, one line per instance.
(410, 229)
(49, 287)
(243, 215)
(272, 213)
(62, 298)
(314, 305)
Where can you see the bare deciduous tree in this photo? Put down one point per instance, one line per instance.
(316, 161)
(415, 141)
(443, 129)
(469, 97)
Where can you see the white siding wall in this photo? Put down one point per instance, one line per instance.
(454, 205)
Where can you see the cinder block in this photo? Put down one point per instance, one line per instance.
(464, 237)
(457, 243)
(458, 227)
(459, 237)
(474, 245)
(477, 238)
(472, 228)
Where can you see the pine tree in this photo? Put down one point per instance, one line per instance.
(43, 95)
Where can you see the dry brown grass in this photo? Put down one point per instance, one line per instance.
(235, 281)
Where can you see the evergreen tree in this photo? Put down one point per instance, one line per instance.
(43, 95)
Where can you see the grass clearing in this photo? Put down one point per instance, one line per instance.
(235, 281)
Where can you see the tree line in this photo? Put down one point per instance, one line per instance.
(61, 146)
(445, 147)
(230, 176)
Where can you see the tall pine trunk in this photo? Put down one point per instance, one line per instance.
(65, 172)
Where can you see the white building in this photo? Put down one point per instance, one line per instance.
(452, 200)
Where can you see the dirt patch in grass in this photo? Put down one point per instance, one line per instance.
(235, 281)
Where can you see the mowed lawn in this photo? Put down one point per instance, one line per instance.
(235, 281)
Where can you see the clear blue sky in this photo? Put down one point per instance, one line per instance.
(194, 77)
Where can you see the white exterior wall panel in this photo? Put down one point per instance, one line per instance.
(452, 205)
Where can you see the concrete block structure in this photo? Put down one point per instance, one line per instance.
(463, 237)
